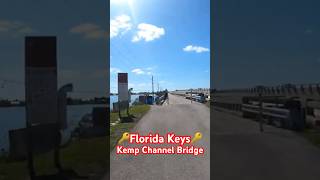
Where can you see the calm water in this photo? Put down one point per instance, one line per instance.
(14, 118)
(115, 99)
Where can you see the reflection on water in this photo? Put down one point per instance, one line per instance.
(115, 99)
(14, 118)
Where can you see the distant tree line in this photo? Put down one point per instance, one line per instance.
(70, 101)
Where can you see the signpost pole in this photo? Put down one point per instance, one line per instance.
(57, 149)
(40, 91)
(62, 121)
(32, 173)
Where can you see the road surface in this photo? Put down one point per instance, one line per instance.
(241, 152)
(181, 117)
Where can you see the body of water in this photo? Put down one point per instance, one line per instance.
(114, 99)
(14, 118)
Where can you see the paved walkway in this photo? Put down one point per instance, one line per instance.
(241, 152)
(181, 117)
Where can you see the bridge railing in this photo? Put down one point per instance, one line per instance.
(287, 89)
(283, 117)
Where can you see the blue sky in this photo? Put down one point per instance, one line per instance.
(80, 27)
(255, 42)
(169, 39)
(265, 42)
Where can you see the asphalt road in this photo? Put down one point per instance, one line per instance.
(241, 152)
(181, 117)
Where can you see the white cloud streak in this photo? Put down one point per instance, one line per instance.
(143, 71)
(138, 71)
(15, 27)
(120, 25)
(89, 31)
(197, 49)
(148, 32)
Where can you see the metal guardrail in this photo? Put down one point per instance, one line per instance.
(267, 111)
(286, 89)
(230, 106)
(289, 119)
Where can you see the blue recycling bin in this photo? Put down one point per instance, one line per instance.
(150, 100)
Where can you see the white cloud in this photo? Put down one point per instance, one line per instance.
(148, 32)
(145, 71)
(89, 30)
(138, 71)
(114, 70)
(197, 49)
(119, 25)
(15, 27)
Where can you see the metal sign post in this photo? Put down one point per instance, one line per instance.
(40, 87)
(62, 120)
(42, 113)
(62, 105)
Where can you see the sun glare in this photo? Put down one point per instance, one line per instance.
(129, 2)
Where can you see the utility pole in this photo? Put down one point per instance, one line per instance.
(152, 90)
(158, 86)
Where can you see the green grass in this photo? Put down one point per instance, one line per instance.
(117, 130)
(88, 157)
